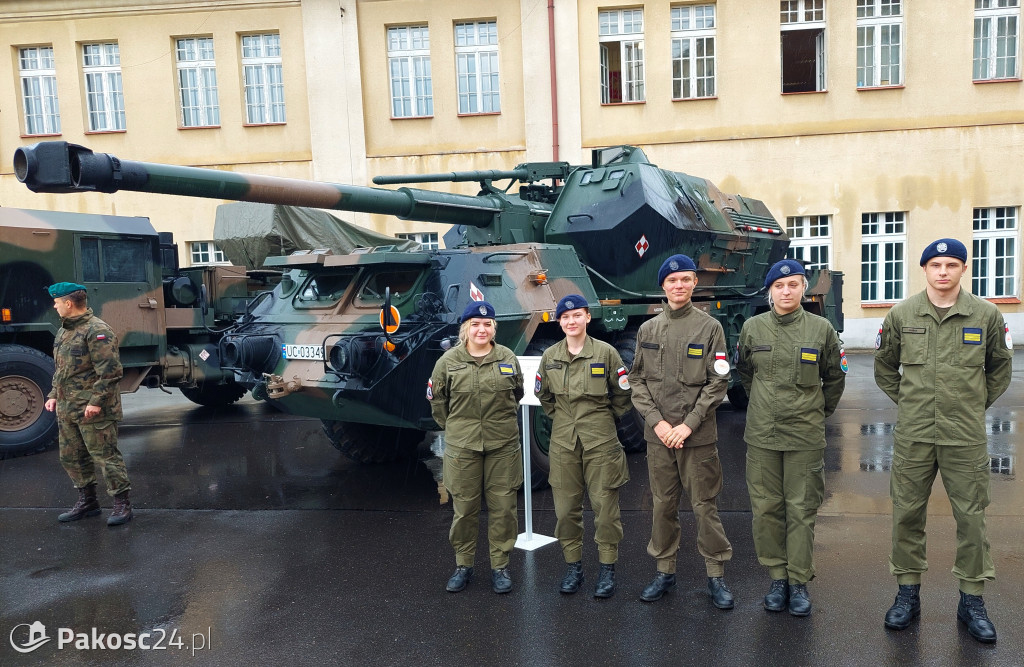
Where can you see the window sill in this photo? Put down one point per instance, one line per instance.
(33, 136)
(199, 127)
(479, 113)
(411, 117)
(694, 99)
(861, 89)
(1002, 299)
(90, 132)
(622, 104)
(1013, 80)
(262, 124)
(805, 92)
(888, 304)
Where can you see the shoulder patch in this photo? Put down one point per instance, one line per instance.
(878, 339)
(430, 390)
(536, 384)
(1009, 338)
(623, 376)
(843, 363)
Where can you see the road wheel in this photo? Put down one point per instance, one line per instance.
(214, 395)
(369, 443)
(630, 427)
(26, 377)
(538, 427)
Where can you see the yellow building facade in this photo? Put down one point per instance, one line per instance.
(868, 127)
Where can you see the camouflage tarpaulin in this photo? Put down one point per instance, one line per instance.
(248, 233)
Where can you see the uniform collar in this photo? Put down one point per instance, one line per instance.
(964, 305)
(585, 353)
(72, 322)
(788, 318)
(679, 312)
(463, 353)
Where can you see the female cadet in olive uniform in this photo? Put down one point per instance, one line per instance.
(582, 386)
(474, 393)
(793, 368)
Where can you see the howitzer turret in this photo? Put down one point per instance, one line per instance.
(316, 345)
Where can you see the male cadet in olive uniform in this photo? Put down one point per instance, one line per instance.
(678, 383)
(955, 352)
(87, 400)
(583, 387)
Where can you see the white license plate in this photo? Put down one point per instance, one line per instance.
(311, 352)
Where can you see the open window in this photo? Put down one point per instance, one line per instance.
(803, 45)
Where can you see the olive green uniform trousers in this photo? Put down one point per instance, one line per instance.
(84, 446)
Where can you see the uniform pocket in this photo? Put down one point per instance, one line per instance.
(814, 486)
(709, 477)
(693, 364)
(808, 360)
(614, 469)
(652, 358)
(970, 350)
(913, 346)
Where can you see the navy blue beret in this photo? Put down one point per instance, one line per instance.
(673, 264)
(59, 290)
(478, 309)
(944, 248)
(570, 302)
(784, 269)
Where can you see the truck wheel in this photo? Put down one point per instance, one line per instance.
(538, 427)
(631, 426)
(26, 377)
(369, 443)
(738, 396)
(214, 395)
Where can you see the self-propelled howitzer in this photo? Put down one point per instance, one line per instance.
(351, 339)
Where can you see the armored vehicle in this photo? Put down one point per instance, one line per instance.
(352, 339)
(166, 318)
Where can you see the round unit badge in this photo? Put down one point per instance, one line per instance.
(941, 247)
(569, 305)
(722, 367)
(483, 310)
(674, 265)
(784, 269)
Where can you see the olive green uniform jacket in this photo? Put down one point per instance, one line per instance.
(791, 367)
(88, 369)
(475, 400)
(673, 375)
(953, 370)
(583, 394)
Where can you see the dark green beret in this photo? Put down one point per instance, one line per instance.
(58, 290)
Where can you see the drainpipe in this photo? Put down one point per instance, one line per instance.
(554, 81)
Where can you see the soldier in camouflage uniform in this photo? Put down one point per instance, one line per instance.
(582, 386)
(474, 394)
(87, 400)
(955, 354)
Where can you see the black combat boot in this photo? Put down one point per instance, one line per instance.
(778, 595)
(459, 579)
(122, 512)
(501, 581)
(720, 594)
(662, 582)
(573, 577)
(971, 612)
(906, 608)
(605, 581)
(799, 601)
(87, 505)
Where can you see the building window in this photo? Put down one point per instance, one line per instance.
(621, 34)
(104, 94)
(263, 78)
(197, 81)
(39, 90)
(994, 271)
(810, 240)
(883, 256)
(427, 240)
(996, 27)
(412, 92)
(476, 63)
(803, 45)
(693, 51)
(206, 252)
(879, 43)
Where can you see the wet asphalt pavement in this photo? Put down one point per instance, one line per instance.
(258, 543)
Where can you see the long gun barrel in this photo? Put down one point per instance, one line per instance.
(59, 166)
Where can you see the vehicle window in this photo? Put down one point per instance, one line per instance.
(123, 260)
(401, 283)
(324, 289)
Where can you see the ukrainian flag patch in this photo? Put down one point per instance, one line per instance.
(972, 336)
(695, 351)
(506, 369)
(808, 355)
(597, 370)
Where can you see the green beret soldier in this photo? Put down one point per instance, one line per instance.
(87, 401)
(943, 356)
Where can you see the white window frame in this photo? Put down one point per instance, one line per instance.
(880, 40)
(39, 90)
(622, 30)
(810, 240)
(476, 67)
(995, 256)
(884, 263)
(412, 90)
(197, 82)
(205, 253)
(104, 91)
(805, 15)
(693, 51)
(996, 40)
(427, 240)
(263, 79)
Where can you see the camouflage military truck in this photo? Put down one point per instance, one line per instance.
(352, 339)
(165, 317)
